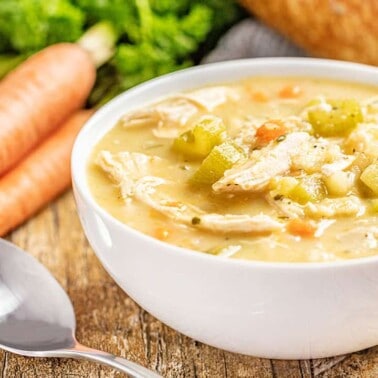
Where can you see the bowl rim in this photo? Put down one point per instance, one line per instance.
(81, 185)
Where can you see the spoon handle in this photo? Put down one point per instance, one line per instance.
(131, 368)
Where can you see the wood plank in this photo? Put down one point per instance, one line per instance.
(322, 365)
(363, 364)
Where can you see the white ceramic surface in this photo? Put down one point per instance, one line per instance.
(275, 310)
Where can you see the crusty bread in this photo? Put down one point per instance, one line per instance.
(339, 29)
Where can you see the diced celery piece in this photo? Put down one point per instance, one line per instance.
(373, 206)
(335, 118)
(309, 189)
(283, 186)
(314, 101)
(197, 143)
(361, 162)
(302, 190)
(372, 108)
(370, 177)
(220, 159)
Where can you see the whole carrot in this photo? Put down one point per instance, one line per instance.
(39, 95)
(40, 177)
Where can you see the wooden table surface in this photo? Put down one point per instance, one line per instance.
(108, 319)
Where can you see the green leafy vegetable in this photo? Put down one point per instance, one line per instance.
(29, 25)
(122, 13)
(153, 37)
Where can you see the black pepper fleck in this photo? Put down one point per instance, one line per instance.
(196, 220)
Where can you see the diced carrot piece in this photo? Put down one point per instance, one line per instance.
(255, 94)
(259, 96)
(300, 227)
(269, 131)
(172, 203)
(290, 91)
(161, 233)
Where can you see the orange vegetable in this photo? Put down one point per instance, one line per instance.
(259, 97)
(39, 95)
(254, 94)
(290, 91)
(269, 131)
(301, 227)
(161, 234)
(40, 177)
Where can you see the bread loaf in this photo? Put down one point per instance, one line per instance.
(338, 29)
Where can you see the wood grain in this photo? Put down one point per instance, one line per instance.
(108, 319)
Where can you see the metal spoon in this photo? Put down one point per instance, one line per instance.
(37, 317)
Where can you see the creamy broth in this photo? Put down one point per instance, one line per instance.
(246, 105)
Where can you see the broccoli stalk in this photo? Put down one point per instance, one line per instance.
(99, 41)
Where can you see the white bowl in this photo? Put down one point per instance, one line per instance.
(273, 310)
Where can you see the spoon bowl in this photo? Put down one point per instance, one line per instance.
(37, 318)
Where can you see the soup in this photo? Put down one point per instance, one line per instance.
(269, 169)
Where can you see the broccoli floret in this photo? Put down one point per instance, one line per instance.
(152, 37)
(30, 25)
